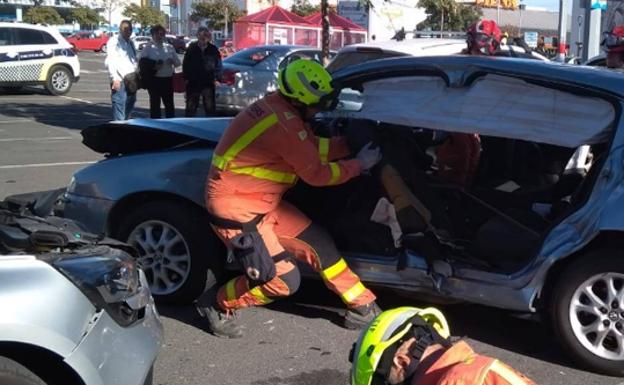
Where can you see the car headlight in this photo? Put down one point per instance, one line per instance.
(110, 278)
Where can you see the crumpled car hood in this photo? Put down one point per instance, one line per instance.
(143, 135)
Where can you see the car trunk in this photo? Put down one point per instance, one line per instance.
(144, 135)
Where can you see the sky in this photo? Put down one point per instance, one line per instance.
(552, 5)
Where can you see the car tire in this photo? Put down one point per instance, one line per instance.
(59, 80)
(103, 48)
(590, 329)
(177, 249)
(13, 373)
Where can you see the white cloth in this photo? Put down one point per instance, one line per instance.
(121, 58)
(162, 52)
(385, 214)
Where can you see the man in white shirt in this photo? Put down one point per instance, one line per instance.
(121, 60)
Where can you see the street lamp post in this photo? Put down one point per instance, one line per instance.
(521, 7)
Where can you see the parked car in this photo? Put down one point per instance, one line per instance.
(597, 61)
(251, 73)
(75, 309)
(530, 235)
(140, 42)
(36, 55)
(88, 41)
(179, 44)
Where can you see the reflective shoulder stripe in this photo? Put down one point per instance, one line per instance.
(334, 269)
(254, 132)
(335, 173)
(230, 289)
(260, 296)
(506, 373)
(218, 161)
(264, 173)
(323, 149)
(354, 292)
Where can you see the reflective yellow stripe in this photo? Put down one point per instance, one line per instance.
(351, 294)
(249, 136)
(507, 374)
(218, 161)
(335, 170)
(324, 149)
(230, 290)
(263, 173)
(334, 269)
(256, 292)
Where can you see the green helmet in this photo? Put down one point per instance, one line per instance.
(306, 81)
(372, 354)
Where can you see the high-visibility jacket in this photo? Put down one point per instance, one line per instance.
(263, 152)
(460, 365)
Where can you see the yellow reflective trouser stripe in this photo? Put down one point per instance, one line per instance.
(334, 269)
(259, 295)
(324, 149)
(264, 173)
(230, 290)
(335, 170)
(507, 374)
(255, 131)
(351, 294)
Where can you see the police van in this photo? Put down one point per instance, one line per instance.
(36, 55)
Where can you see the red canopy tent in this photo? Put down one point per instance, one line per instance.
(342, 31)
(274, 25)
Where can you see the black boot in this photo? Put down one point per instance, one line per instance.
(359, 317)
(220, 323)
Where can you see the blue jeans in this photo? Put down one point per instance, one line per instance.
(122, 103)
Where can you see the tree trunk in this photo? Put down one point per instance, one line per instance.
(325, 32)
(441, 22)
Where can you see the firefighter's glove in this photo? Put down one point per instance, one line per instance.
(369, 157)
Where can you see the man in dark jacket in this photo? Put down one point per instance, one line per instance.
(201, 68)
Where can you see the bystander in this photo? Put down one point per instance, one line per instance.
(121, 62)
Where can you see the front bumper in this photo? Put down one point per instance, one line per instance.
(110, 354)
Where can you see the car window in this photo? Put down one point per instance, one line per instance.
(345, 59)
(48, 39)
(249, 57)
(29, 36)
(309, 55)
(5, 36)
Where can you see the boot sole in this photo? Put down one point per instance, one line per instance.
(202, 313)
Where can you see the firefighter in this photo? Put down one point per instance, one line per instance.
(411, 346)
(261, 155)
(483, 38)
(613, 43)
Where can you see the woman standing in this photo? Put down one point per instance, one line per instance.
(165, 60)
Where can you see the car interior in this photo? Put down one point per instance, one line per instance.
(518, 191)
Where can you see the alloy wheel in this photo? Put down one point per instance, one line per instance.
(60, 80)
(597, 315)
(164, 255)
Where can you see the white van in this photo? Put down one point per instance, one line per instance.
(36, 55)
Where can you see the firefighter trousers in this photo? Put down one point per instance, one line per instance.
(289, 236)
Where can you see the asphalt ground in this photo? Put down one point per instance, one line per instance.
(296, 341)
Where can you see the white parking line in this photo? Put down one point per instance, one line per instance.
(32, 165)
(15, 121)
(77, 99)
(51, 138)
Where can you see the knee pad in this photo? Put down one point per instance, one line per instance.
(292, 280)
(320, 240)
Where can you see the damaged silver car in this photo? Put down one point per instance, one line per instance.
(538, 230)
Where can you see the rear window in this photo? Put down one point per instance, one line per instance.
(5, 36)
(48, 39)
(29, 36)
(249, 57)
(346, 59)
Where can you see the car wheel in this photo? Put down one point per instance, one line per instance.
(177, 249)
(13, 373)
(59, 80)
(588, 311)
(103, 48)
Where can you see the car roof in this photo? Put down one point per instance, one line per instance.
(28, 26)
(413, 47)
(460, 68)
